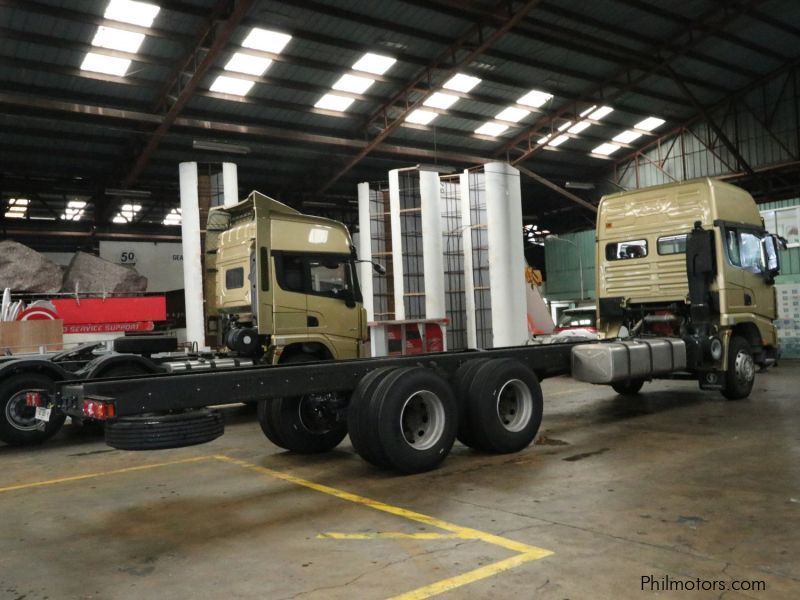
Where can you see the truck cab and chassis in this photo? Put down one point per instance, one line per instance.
(690, 298)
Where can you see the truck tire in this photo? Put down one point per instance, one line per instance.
(18, 427)
(741, 372)
(415, 416)
(158, 432)
(462, 380)
(299, 423)
(629, 387)
(358, 418)
(505, 406)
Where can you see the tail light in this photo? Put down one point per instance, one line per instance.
(98, 409)
(33, 398)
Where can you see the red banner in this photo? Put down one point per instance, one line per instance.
(93, 311)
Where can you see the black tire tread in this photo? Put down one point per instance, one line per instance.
(164, 431)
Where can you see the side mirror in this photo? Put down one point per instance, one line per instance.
(770, 254)
(379, 268)
(349, 298)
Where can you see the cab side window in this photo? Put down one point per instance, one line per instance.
(291, 274)
(744, 249)
(329, 277)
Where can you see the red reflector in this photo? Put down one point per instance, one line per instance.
(96, 409)
(33, 399)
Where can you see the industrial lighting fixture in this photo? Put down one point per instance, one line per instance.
(118, 39)
(248, 64)
(649, 124)
(126, 213)
(512, 114)
(231, 85)
(626, 137)
(461, 82)
(579, 185)
(579, 126)
(353, 84)
(173, 218)
(441, 100)
(535, 98)
(606, 149)
(544, 139)
(17, 208)
(334, 102)
(421, 117)
(377, 64)
(558, 141)
(492, 129)
(110, 65)
(220, 147)
(266, 40)
(601, 113)
(130, 11)
(565, 126)
(127, 193)
(74, 210)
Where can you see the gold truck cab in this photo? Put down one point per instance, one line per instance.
(692, 261)
(284, 283)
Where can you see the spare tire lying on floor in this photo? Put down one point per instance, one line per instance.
(157, 432)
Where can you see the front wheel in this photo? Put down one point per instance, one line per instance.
(629, 387)
(741, 370)
(18, 425)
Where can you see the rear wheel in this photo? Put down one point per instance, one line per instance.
(359, 423)
(741, 371)
(415, 417)
(307, 424)
(18, 425)
(504, 406)
(629, 387)
(462, 381)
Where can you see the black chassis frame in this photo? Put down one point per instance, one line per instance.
(156, 393)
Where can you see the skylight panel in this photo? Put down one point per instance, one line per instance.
(558, 141)
(266, 40)
(110, 65)
(580, 126)
(127, 213)
(601, 113)
(606, 149)
(17, 208)
(588, 110)
(74, 210)
(173, 218)
(534, 98)
(118, 39)
(461, 82)
(231, 85)
(377, 64)
(133, 12)
(441, 100)
(334, 102)
(512, 114)
(353, 84)
(421, 117)
(565, 126)
(650, 123)
(245, 63)
(626, 137)
(491, 128)
(544, 139)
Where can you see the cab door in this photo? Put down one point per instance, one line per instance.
(747, 281)
(333, 300)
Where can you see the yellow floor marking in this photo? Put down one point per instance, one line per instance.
(390, 535)
(23, 486)
(445, 585)
(526, 553)
(394, 510)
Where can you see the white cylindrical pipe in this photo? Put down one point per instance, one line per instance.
(469, 274)
(364, 249)
(506, 255)
(230, 184)
(192, 258)
(397, 245)
(432, 251)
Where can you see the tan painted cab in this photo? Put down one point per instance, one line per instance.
(284, 282)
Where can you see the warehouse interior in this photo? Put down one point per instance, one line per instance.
(405, 193)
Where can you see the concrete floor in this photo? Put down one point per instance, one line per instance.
(676, 483)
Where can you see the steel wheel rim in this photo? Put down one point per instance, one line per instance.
(312, 418)
(744, 367)
(14, 408)
(422, 420)
(514, 405)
